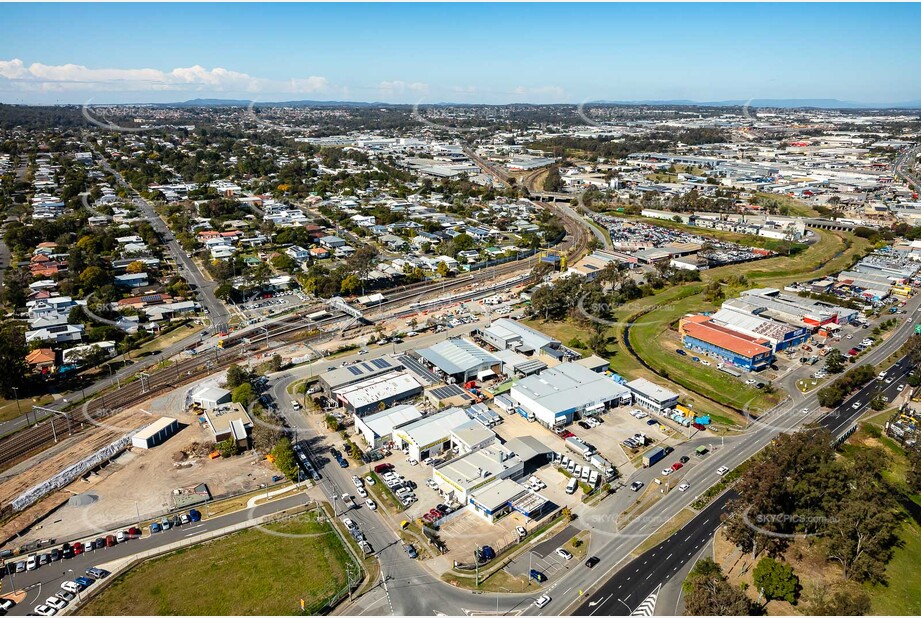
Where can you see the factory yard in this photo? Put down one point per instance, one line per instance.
(305, 560)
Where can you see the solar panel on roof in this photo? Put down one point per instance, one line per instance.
(354, 370)
(380, 363)
(147, 299)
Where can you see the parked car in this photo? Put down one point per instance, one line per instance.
(44, 610)
(562, 553)
(97, 573)
(410, 551)
(538, 577)
(194, 515)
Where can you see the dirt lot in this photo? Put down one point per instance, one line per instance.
(138, 481)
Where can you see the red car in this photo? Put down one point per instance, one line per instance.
(567, 434)
(853, 352)
(78, 548)
(677, 466)
(699, 427)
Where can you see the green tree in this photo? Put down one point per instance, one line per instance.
(442, 269)
(92, 278)
(13, 352)
(834, 361)
(228, 447)
(285, 460)
(776, 580)
(243, 394)
(708, 593)
(350, 284)
(237, 375)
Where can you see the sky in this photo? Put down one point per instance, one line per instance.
(462, 53)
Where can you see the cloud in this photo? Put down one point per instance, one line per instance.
(218, 79)
(401, 87)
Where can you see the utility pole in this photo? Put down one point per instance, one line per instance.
(18, 406)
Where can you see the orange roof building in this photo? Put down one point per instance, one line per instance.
(699, 333)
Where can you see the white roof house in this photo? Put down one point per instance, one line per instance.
(378, 428)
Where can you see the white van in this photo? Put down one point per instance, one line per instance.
(571, 486)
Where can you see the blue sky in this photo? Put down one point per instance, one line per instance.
(469, 53)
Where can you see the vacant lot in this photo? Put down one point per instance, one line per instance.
(248, 573)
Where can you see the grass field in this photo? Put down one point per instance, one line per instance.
(9, 410)
(249, 573)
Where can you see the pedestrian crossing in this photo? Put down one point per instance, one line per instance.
(648, 606)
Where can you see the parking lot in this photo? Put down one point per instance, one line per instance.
(269, 306)
(617, 426)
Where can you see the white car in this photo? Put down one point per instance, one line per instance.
(667, 471)
(562, 553)
(358, 482)
(683, 486)
(371, 504)
(901, 388)
(412, 461)
(521, 532)
(361, 492)
(369, 480)
(44, 610)
(71, 586)
(722, 470)
(805, 410)
(542, 600)
(349, 523)
(428, 461)
(705, 363)
(56, 603)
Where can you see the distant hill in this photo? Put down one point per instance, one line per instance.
(777, 103)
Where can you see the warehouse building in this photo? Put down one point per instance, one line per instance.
(210, 397)
(345, 376)
(377, 429)
(378, 392)
(156, 433)
(780, 335)
(506, 334)
(651, 396)
(561, 394)
(700, 334)
(430, 435)
(461, 360)
(495, 500)
(795, 310)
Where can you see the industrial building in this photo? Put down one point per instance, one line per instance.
(507, 334)
(382, 390)
(700, 334)
(651, 396)
(462, 476)
(780, 335)
(377, 429)
(461, 360)
(794, 310)
(229, 420)
(560, 394)
(210, 397)
(155, 433)
(429, 435)
(345, 376)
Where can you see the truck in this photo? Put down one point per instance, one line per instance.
(652, 456)
(585, 450)
(602, 465)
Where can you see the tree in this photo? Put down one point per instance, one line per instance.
(243, 394)
(135, 267)
(834, 361)
(284, 458)
(237, 375)
(442, 269)
(776, 580)
(553, 181)
(265, 437)
(851, 600)
(228, 447)
(350, 284)
(13, 352)
(93, 277)
(284, 262)
(708, 593)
